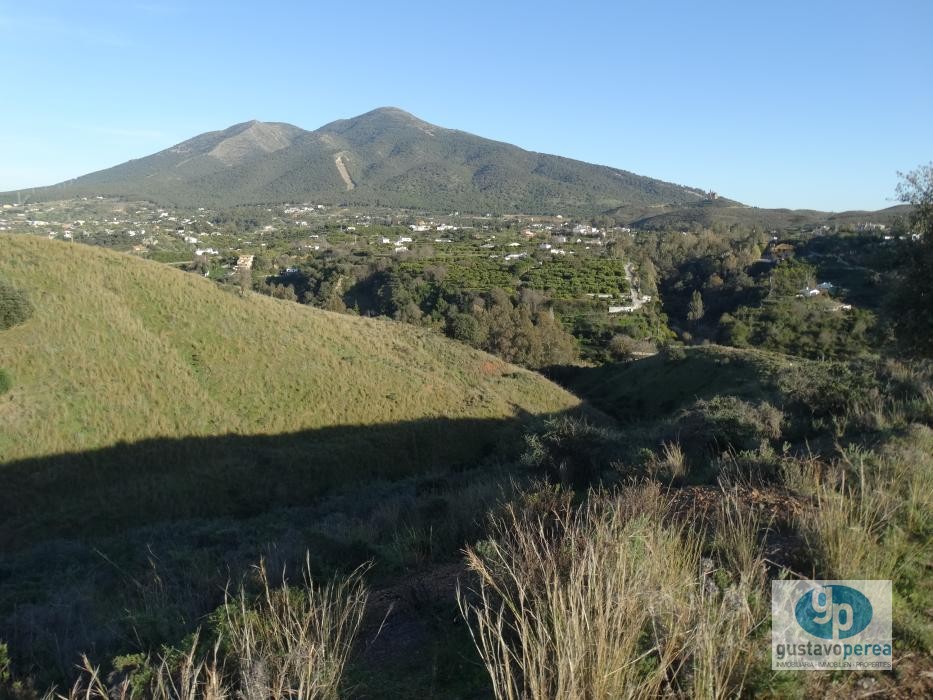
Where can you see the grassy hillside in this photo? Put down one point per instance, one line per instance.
(139, 386)
(386, 157)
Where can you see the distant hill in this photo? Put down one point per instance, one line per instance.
(140, 392)
(384, 157)
(725, 212)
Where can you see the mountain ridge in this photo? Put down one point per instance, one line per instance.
(392, 158)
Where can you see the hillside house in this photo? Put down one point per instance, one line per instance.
(584, 230)
(621, 309)
(244, 262)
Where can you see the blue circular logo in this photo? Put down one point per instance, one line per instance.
(833, 611)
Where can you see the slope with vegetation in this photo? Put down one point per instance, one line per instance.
(123, 355)
(626, 550)
(392, 158)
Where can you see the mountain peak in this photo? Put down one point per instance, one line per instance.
(388, 109)
(380, 123)
(254, 138)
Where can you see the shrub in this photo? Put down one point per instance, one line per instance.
(5, 382)
(624, 347)
(15, 307)
(571, 450)
(728, 423)
(674, 353)
(828, 388)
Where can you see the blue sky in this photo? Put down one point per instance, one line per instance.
(800, 104)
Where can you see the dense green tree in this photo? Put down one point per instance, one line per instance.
(466, 328)
(695, 310)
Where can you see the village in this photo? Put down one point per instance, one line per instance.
(271, 243)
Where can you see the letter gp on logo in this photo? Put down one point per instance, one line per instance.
(833, 612)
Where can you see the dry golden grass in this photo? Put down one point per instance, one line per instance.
(612, 600)
(293, 642)
(122, 349)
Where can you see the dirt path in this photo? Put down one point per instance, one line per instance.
(637, 299)
(344, 173)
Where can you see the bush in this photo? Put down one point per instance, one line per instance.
(571, 451)
(828, 388)
(728, 423)
(5, 382)
(623, 347)
(673, 353)
(15, 307)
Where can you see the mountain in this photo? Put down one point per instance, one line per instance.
(384, 157)
(139, 392)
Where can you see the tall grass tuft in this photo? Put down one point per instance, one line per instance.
(610, 600)
(294, 642)
(285, 643)
(849, 528)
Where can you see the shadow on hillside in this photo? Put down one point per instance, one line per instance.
(129, 547)
(157, 480)
(654, 387)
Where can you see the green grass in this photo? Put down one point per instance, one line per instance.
(122, 350)
(144, 393)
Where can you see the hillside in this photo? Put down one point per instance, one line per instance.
(385, 157)
(725, 212)
(139, 386)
